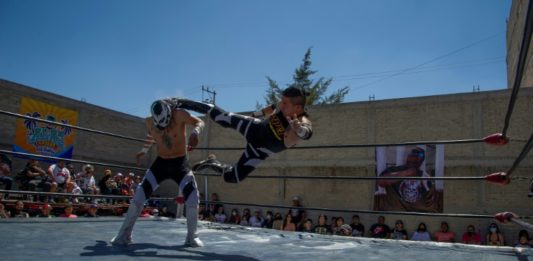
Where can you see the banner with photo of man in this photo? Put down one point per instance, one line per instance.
(415, 195)
(43, 138)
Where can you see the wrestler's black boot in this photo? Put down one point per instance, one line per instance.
(211, 165)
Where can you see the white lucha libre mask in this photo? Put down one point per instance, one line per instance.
(161, 114)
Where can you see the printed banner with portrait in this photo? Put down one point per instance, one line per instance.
(415, 195)
(43, 138)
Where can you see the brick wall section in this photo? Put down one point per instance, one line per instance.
(515, 32)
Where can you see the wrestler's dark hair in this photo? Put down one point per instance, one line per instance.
(296, 93)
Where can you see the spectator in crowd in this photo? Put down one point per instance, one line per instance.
(146, 212)
(208, 216)
(308, 226)
(213, 203)
(5, 173)
(88, 183)
(256, 220)
(235, 218)
(471, 236)
(269, 220)
(68, 212)
(278, 221)
(399, 232)
(163, 212)
(138, 181)
(345, 230)
(59, 175)
(300, 225)
(245, 219)
(339, 222)
(91, 212)
(202, 212)
(73, 188)
(19, 210)
(322, 228)
(297, 213)
(523, 239)
(333, 225)
(444, 235)
(358, 229)
(3, 212)
(288, 224)
(246, 211)
(102, 184)
(421, 233)
(155, 212)
(46, 211)
(33, 177)
(116, 187)
(380, 229)
(494, 235)
(220, 216)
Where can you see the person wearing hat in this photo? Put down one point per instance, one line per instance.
(91, 212)
(46, 210)
(285, 125)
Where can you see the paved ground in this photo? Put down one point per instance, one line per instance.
(159, 239)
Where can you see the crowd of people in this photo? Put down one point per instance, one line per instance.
(62, 177)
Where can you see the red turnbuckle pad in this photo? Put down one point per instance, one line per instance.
(180, 200)
(498, 178)
(505, 217)
(496, 139)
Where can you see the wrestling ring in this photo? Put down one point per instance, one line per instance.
(159, 237)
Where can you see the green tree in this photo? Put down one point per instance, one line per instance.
(301, 78)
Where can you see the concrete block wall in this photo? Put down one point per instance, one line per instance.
(515, 35)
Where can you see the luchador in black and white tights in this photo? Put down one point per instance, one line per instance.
(176, 169)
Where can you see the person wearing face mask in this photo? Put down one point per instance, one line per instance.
(471, 236)
(421, 234)
(234, 218)
(494, 236)
(269, 220)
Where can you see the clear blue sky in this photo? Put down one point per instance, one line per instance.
(123, 54)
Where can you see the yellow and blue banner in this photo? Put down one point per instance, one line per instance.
(43, 138)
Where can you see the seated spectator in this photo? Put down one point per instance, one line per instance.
(278, 221)
(296, 212)
(308, 226)
(116, 184)
(19, 212)
(33, 177)
(208, 216)
(380, 229)
(46, 211)
(104, 181)
(269, 220)
(245, 219)
(213, 203)
(444, 235)
(126, 189)
(220, 216)
(5, 173)
(72, 188)
(340, 222)
(399, 232)
(523, 239)
(300, 225)
(88, 183)
(494, 236)
(163, 212)
(288, 224)
(235, 218)
(333, 225)
(59, 176)
(91, 212)
(256, 220)
(345, 230)
(471, 236)
(67, 212)
(246, 211)
(202, 212)
(3, 212)
(421, 233)
(322, 228)
(358, 229)
(155, 212)
(146, 212)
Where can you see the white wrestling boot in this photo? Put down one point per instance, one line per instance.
(124, 234)
(192, 239)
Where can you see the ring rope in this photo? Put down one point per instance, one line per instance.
(522, 155)
(38, 193)
(522, 59)
(29, 155)
(365, 211)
